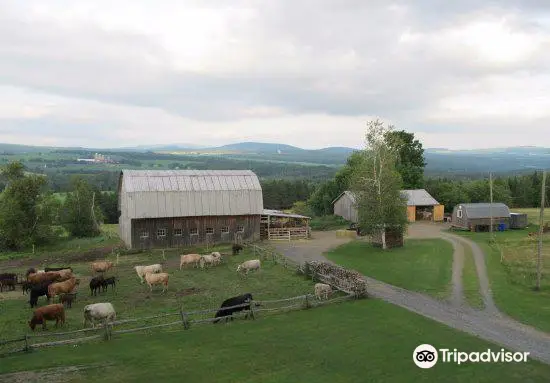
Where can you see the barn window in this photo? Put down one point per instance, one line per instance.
(225, 230)
(240, 229)
(178, 232)
(459, 213)
(194, 231)
(161, 233)
(144, 234)
(209, 230)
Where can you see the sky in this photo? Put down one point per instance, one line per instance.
(310, 73)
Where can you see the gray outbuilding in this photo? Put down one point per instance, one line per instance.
(477, 216)
(173, 208)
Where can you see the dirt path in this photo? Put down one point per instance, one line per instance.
(488, 324)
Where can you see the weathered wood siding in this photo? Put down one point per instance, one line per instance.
(411, 213)
(439, 212)
(345, 208)
(250, 224)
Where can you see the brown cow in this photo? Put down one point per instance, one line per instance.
(49, 312)
(62, 287)
(38, 278)
(101, 266)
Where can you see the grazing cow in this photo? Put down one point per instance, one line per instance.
(58, 268)
(99, 311)
(31, 270)
(253, 264)
(101, 266)
(207, 259)
(49, 312)
(234, 301)
(50, 276)
(192, 259)
(38, 291)
(7, 283)
(236, 248)
(157, 279)
(62, 287)
(142, 270)
(95, 284)
(65, 274)
(67, 299)
(322, 290)
(109, 281)
(217, 257)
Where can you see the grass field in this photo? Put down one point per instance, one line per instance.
(360, 341)
(328, 222)
(533, 214)
(470, 281)
(208, 289)
(511, 266)
(423, 265)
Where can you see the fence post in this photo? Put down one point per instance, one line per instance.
(252, 304)
(307, 305)
(184, 319)
(27, 343)
(106, 332)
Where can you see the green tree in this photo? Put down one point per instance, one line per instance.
(377, 185)
(410, 157)
(82, 210)
(27, 209)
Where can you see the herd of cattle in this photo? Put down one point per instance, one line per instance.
(60, 282)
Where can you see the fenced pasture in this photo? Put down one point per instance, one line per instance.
(533, 214)
(193, 297)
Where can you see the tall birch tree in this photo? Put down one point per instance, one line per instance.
(377, 185)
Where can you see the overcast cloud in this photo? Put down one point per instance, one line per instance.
(303, 72)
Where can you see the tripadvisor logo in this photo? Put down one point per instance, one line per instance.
(426, 356)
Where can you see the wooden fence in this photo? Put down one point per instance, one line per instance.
(288, 233)
(185, 320)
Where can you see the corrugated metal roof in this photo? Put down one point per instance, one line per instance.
(483, 210)
(416, 197)
(278, 213)
(189, 180)
(419, 197)
(188, 193)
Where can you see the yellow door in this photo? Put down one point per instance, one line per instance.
(438, 213)
(411, 213)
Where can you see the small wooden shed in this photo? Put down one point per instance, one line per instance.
(477, 216)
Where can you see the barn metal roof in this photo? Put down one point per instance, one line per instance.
(188, 193)
(415, 197)
(278, 213)
(483, 210)
(419, 197)
(189, 180)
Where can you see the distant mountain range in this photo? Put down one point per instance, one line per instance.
(440, 161)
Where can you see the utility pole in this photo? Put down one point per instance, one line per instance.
(491, 203)
(541, 223)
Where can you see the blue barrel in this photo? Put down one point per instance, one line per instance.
(501, 226)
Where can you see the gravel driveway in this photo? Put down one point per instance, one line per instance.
(489, 323)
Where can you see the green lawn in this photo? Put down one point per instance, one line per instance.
(513, 280)
(470, 281)
(360, 341)
(423, 265)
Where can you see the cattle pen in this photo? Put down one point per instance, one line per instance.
(179, 319)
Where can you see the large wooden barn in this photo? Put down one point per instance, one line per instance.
(173, 208)
(420, 206)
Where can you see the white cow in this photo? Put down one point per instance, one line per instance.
(99, 312)
(217, 257)
(142, 270)
(207, 259)
(322, 290)
(252, 264)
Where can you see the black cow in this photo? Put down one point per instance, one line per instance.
(32, 270)
(57, 268)
(26, 286)
(38, 291)
(234, 301)
(236, 248)
(109, 281)
(8, 279)
(67, 299)
(95, 284)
